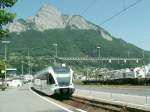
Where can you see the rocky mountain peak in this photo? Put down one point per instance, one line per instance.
(78, 22)
(48, 9)
(49, 17)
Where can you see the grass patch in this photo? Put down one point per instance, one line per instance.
(78, 82)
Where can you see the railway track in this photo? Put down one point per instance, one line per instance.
(92, 105)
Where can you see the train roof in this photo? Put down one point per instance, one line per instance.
(55, 69)
(58, 70)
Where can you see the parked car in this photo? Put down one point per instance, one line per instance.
(14, 83)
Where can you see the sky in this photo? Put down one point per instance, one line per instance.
(133, 25)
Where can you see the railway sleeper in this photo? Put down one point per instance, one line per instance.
(99, 104)
(107, 105)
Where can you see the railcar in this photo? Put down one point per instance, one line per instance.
(55, 80)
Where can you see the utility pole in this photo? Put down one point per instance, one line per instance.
(98, 47)
(55, 45)
(29, 69)
(128, 53)
(22, 68)
(5, 58)
(143, 54)
(99, 54)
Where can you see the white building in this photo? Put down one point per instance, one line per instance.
(139, 72)
(11, 71)
(28, 77)
(147, 70)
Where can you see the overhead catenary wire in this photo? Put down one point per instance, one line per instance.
(88, 7)
(120, 12)
(125, 8)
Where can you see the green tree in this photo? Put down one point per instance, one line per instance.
(5, 16)
(2, 67)
(2, 75)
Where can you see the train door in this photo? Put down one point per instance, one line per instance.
(48, 84)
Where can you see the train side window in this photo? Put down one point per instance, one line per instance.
(50, 79)
(43, 77)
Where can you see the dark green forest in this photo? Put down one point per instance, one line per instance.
(71, 43)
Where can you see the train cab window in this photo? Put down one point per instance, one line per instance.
(50, 79)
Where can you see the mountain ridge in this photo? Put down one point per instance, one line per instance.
(48, 17)
(75, 37)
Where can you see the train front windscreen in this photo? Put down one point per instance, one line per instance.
(63, 75)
